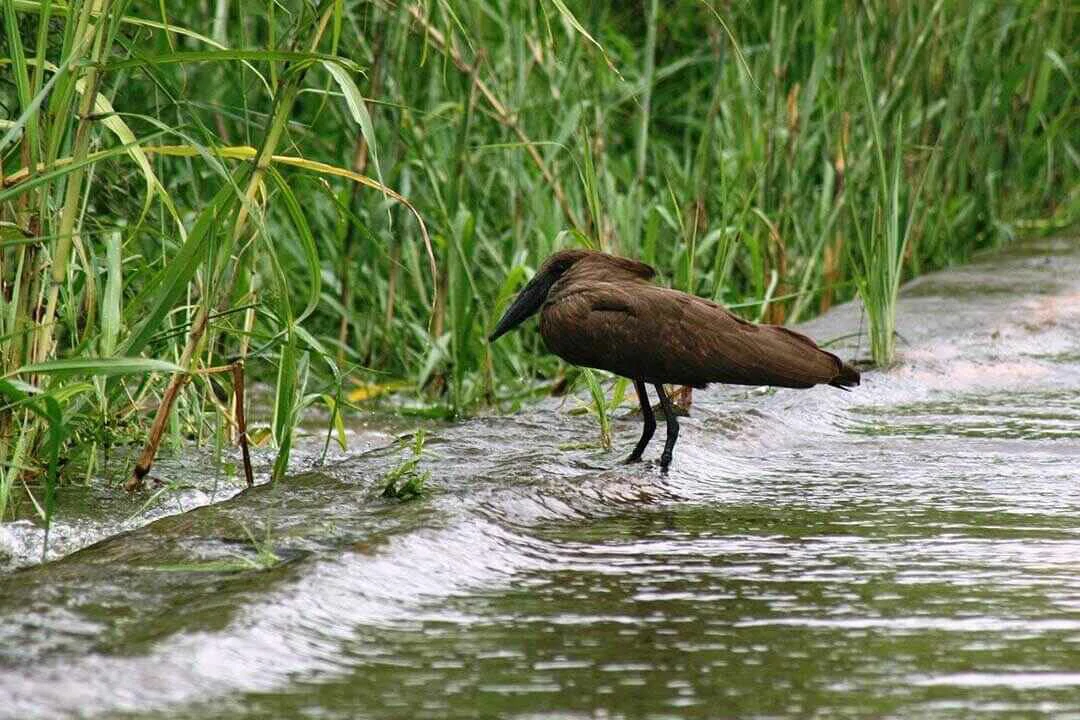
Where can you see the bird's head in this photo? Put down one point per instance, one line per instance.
(532, 296)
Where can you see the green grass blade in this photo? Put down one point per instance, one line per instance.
(105, 366)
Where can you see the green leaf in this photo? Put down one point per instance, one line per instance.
(580, 29)
(198, 56)
(110, 302)
(358, 108)
(174, 277)
(100, 366)
(307, 243)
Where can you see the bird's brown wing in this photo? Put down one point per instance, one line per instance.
(732, 350)
(661, 335)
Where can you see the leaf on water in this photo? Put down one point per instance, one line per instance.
(212, 566)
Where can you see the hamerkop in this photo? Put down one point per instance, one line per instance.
(602, 311)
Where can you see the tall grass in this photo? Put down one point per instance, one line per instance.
(343, 191)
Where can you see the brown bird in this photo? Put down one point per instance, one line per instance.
(601, 311)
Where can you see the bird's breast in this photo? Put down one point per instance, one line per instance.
(561, 325)
(583, 330)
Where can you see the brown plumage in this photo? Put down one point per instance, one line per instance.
(602, 311)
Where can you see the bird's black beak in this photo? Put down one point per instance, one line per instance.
(527, 302)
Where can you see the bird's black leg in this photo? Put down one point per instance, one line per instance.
(650, 421)
(672, 427)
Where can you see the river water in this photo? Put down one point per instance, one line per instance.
(908, 549)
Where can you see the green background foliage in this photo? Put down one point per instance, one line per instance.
(350, 191)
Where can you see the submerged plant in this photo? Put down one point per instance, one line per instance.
(265, 557)
(262, 558)
(406, 481)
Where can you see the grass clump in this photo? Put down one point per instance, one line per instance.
(600, 407)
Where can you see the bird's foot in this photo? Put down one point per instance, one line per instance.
(665, 463)
(633, 458)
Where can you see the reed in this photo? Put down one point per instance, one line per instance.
(346, 191)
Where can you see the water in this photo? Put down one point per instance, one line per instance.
(909, 549)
